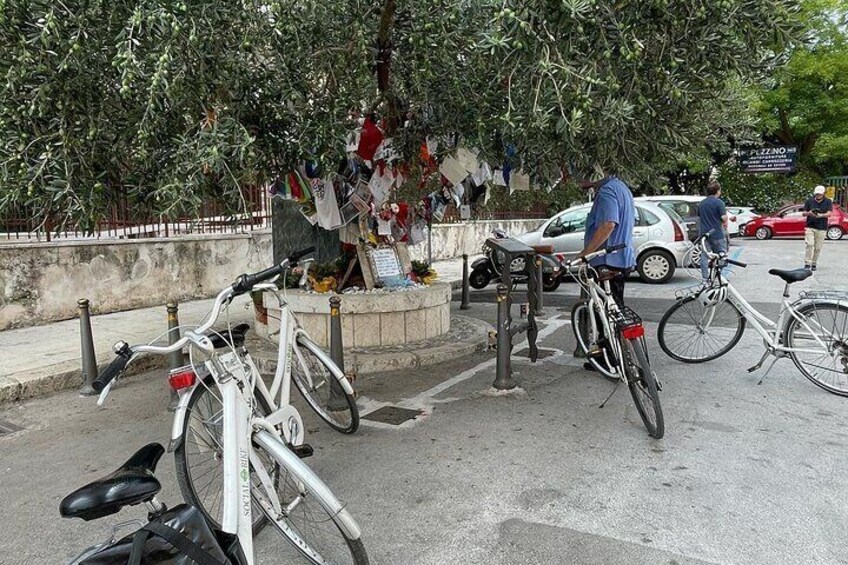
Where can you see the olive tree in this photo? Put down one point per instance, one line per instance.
(175, 103)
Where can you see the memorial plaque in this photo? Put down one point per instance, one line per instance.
(384, 266)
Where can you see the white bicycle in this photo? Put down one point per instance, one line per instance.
(239, 444)
(612, 338)
(708, 321)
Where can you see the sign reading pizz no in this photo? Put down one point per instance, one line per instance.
(769, 159)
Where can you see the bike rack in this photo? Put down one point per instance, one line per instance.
(506, 330)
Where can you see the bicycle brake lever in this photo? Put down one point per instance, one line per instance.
(101, 399)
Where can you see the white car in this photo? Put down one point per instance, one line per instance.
(658, 236)
(738, 218)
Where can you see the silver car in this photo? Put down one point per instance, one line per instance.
(659, 238)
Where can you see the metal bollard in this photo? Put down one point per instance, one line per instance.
(503, 371)
(578, 353)
(337, 396)
(89, 359)
(540, 290)
(175, 359)
(465, 290)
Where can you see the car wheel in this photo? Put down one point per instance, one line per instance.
(551, 282)
(742, 230)
(479, 278)
(655, 266)
(694, 257)
(763, 233)
(834, 232)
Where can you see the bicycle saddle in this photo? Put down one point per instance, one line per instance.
(791, 276)
(133, 483)
(228, 338)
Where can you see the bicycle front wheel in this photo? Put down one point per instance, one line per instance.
(586, 338)
(643, 385)
(823, 339)
(321, 386)
(691, 332)
(302, 509)
(199, 457)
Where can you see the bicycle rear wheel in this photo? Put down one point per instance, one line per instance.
(306, 513)
(643, 385)
(691, 332)
(199, 455)
(586, 337)
(320, 382)
(826, 367)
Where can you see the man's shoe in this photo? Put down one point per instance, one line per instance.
(589, 367)
(806, 266)
(813, 268)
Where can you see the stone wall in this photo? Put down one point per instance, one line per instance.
(41, 282)
(452, 240)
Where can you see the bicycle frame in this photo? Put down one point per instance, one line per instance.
(769, 330)
(600, 297)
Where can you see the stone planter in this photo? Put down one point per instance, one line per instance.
(368, 319)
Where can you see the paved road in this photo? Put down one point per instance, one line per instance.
(746, 474)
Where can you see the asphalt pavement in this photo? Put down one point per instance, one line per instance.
(747, 473)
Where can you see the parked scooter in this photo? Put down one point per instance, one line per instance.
(489, 268)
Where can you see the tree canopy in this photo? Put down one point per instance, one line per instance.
(178, 102)
(806, 101)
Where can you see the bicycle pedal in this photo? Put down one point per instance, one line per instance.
(303, 450)
(594, 352)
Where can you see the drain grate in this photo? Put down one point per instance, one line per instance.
(542, 353)
(394, 415)
(8, 428)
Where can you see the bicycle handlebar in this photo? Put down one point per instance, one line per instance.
(115, 368)
(243, 284)
(246, 282)
(737, 263)
(596, 254)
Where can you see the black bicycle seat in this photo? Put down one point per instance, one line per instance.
(229, 338)
(133, 483)
(791, 276)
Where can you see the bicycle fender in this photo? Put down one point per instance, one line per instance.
(272, 444)
(180, 416)
(303, 339)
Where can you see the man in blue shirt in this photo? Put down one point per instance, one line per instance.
(713, 217)
(610, 223)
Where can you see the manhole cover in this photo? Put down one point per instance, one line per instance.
(542, 353)
(394, 415)
(7, 428)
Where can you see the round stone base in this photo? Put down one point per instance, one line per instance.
(369, 319)
(466, 336)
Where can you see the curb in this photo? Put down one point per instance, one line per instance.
(64, 376)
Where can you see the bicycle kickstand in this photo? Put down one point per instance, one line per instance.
(760, 364)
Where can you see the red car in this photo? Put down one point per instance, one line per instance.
(790, 221)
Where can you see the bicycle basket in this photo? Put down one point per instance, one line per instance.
(180, 536)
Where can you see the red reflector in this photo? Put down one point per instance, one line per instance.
(678, 233)
(182, 379)
(633, 332)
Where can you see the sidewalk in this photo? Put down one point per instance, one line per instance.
(42, 359)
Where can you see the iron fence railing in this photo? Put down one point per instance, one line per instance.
(123, 221)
